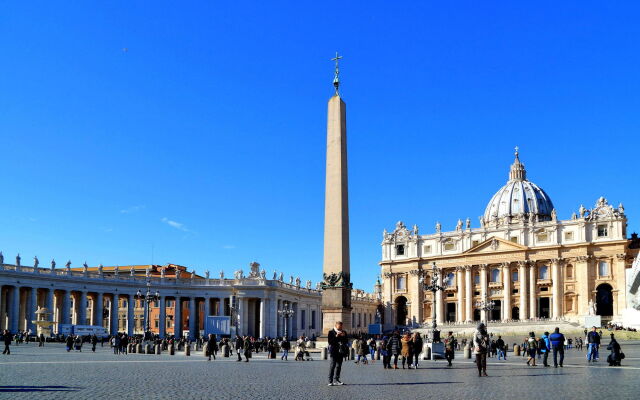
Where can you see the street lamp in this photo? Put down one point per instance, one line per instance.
(148, 298)
(433, 286)
(233, 312)
(286, 312)
(486, 305)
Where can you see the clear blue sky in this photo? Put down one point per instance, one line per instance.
(204, 139)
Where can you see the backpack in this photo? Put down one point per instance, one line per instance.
(542, 344)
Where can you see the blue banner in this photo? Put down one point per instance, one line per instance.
(217, 325)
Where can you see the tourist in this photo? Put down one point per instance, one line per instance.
(417, 348)
(338, 349)
(7, 338)
(394, 346)
(41, 340)
(593, 341)
(285, 346)
(616, 355)
(238, 345)
(69, 343)
(532, 347)
(362, 350)
(557, 344)
(480, 348)
(371, 343)
(384, 353)
(94, 342)
(211, 347)
(502, 348)
(301, 348)
(247, 347)
(449, 347)
(407, 350)
(545, 347)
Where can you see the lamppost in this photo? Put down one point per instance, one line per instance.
(433, 286)
(486, 306)
(233, 312)
(378, 289)
(286, 312)
(148, 298)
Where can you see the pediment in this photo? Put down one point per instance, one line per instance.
(495, 244)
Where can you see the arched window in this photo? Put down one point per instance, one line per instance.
(401, 283)
(543, 272)
(603, 268)
(450, 280)
(495, 275)
(476, 279)
(514, 276)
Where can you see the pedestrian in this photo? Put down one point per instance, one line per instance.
(407, 350)
(41, 340)
(417, 348)
(449, 347)
(362, 350)
(372, 349)
(384, 353)
(593, 343)
(501, 347)
(557, 344)
(69, 343)
(480, 348)
(211, 347)
(532, 347)
(394, 346)
(7, 338)
(247, 347)
(239, 345)
(545, 348)
(94, 342)
(616, 355)
(285, 346)
(338, 349)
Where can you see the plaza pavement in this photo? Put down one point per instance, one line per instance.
(52, 373)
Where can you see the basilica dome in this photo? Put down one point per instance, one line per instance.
(519, 198)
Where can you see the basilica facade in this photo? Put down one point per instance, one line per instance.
(523, 258)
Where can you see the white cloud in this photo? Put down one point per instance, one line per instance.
(131, 209)
(174, 224)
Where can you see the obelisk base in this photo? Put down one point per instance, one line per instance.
(331, 316)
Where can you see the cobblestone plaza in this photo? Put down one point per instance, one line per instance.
(52, 373)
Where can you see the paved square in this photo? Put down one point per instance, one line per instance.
(52, 373)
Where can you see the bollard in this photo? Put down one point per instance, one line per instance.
(425, 351)
(139, 348)
(158, 349)
(377, 356)
(516, 350)
(147, 349)
(130, 348)
(172, 350)
(467, 352)
(324, 353)
(187, 350)
(225, 351)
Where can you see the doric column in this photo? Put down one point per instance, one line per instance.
(533, 311)
(440, 300)
(506, 287)
(162, 317)
(468, 293)
(31, 310)
(98, 310)
(49, 301)
(522, 277)
(483, 290)
(15, 309)
(556, 265)
(66, 307)
(192, 318)
(221, 306)
(82, 308)
(177, 315)
(240, 314)
(131, 303)
(263, 321)
(460, 284)
(273, 317)
(207, 308)
(113, 314)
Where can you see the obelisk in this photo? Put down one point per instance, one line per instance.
(336, 295)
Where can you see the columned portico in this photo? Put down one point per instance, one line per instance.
(162, 317)
(193, 318)
(98, 310)
(131, 303)
(177, 330)
(113, 314)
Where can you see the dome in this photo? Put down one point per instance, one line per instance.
(519, 198)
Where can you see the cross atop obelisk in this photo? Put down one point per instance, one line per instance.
(336, 295)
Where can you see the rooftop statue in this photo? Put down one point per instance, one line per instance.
(36, 262)
(18, 260)
(53, 264)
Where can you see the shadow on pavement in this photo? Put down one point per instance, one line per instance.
(400, 383)
(5, 389)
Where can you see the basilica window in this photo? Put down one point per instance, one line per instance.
(603, 231)
(543, 272)
(449, 246)
(603, 268)
(400, 250)
(543, 237)
(569, 270)
(495, 275)
(401, 283)
(514, 239)
(450, 280)
(476, 279)
(474, 243)
(427, 249)
(568, 236)
(514, 276)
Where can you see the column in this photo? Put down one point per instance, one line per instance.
(556, 264)
(207, 309)
(66, 307)
(162, 317)
(484, 293)
(30, 310)
(522, 278)
(440, 301)
(221, 306)
(192, 318)
(468, 293)
(113, 314)
(177, 318)
(506, 287)
(273, 317)
(533, 311)
(240, 319)
(263, 327)
(460, 283)
(82, 310)
(2, 307)
(49, 302)
(131, 303)
(98, 310)
(15, 309)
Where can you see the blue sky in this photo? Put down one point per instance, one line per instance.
(194, 132)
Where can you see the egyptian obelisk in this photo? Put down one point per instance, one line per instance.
(336, 295)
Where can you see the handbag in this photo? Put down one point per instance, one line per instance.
(343, 350)
(622, 356)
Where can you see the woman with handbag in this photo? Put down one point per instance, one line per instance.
(480, 347)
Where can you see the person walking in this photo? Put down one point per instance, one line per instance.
(417, 348)
(372, 349)
(532, 347)
(394, 346)
(94, 342)
(480, 348)
(41, 340)
(450, 347)
(7, 338)
(593, 343)
(545, 348)
(557, 341)
(616, 355)
(69, 343)
(384, 353)
(362, 350)
(338, 349)
(501, 347)
(238, 345)
(211, 347)
(407, 350)
(247, 348)
(285, 346)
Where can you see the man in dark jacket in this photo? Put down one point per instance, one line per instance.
(593, 340)
(337, 349)
(7, 342)
(393, 347)
(557, 344)
(239, 346)
(94, 341)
